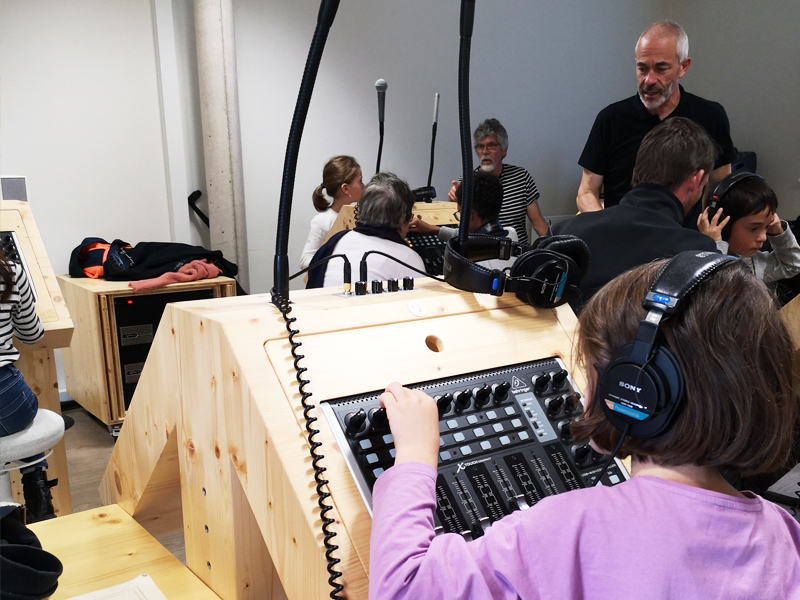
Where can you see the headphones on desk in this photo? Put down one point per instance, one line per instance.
(723, 187)
(643, 386)
(545, 275)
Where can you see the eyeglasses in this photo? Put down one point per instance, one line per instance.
(491, 147)
(457, 216)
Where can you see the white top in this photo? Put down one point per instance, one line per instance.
(18, 317)
(320, 226)
(354, 245)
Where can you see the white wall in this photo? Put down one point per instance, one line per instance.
(747, 57)
(79, 116)
(543, 69)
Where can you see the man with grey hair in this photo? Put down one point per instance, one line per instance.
(662, 59)
(384, 215)
(520, 195)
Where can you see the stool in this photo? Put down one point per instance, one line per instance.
(41, 435)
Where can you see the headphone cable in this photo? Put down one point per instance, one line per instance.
(611, 458)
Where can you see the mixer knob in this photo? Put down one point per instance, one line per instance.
(500, 391)
(582, 453)
(553, 405)
(462, 399)
(564, 429)
(482, 395)
(354, 422)
(572, 404)
(559, 378)
(393, 285)
(408, 283)
(377, 286)
(541, 382)
(361, 288)
(378, 419)
(443, 403)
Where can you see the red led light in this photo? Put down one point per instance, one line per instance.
(130, 301)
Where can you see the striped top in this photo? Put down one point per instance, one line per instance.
(18, 317)
(519, 190)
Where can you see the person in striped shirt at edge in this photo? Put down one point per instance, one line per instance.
(520, 196)
(18, 404)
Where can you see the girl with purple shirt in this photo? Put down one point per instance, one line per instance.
(676, 529)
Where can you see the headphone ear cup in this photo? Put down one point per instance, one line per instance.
(547, 279)
(574, 247)
(644, 397)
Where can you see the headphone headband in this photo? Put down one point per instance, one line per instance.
(724, 186)
(643, 386)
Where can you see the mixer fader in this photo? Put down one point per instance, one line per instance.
(505, 442)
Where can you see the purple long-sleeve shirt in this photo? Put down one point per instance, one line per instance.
(646, 538)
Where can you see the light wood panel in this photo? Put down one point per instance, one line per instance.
(104, 547)
(37, 361)
(240, 428)
(434, 213)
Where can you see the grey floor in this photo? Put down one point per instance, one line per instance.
(89, 447)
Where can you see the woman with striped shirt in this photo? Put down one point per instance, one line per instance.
(18, 404)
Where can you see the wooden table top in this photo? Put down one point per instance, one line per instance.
(105, 546)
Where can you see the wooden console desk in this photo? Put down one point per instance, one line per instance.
(214, 440)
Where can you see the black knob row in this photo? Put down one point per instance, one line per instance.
(357, 422)
(376, 286)
(556, 381)
(462, 400)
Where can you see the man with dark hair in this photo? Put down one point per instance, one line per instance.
(384, 215)
(520, 195)
(662, 59)
(672, 169)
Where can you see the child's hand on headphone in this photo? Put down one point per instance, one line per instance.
(776, 227)
(712, 227)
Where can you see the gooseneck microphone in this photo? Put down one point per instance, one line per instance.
(381, 86)
(325, 17)
(433, 134)
(467, 20)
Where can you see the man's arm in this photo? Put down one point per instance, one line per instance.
(589, 192)
(540, 226)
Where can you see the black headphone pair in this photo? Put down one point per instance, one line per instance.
(642, 387)
(723, 187)
(545, 275)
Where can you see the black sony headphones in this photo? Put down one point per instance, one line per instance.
(546, 275)
(723, 187)
(642, 387)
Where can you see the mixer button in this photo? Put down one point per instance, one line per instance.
(505, 440)
(452, 424)
(472, 419)
(479, 432)
(486, 445)
(516, 423)
(377, 472)
(466, 450)
(372, 459)
(365, 444)
(491, 415)
(459, 437)
(388, 439)
(523, 435)
(444, 455)
(498, 427)
(510, 410)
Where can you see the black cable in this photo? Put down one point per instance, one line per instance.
(433, 153)
(283, 305)
(362, 266)
(622, 438)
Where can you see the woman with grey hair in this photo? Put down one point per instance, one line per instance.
(385, 212)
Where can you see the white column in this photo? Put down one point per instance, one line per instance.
(222, 144)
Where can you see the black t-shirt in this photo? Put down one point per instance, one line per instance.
(620, 128)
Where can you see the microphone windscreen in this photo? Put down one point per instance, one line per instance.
(381, 85)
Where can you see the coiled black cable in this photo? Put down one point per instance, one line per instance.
(322, 493)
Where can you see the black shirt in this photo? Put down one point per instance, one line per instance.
(645, 226)
(620, 128)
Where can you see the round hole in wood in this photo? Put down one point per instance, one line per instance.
(204, 491)
(208, 564)
(434, 344)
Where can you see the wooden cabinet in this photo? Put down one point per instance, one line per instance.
(114, 327)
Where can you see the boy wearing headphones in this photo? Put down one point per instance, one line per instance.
(676, 529)
(741, 216)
